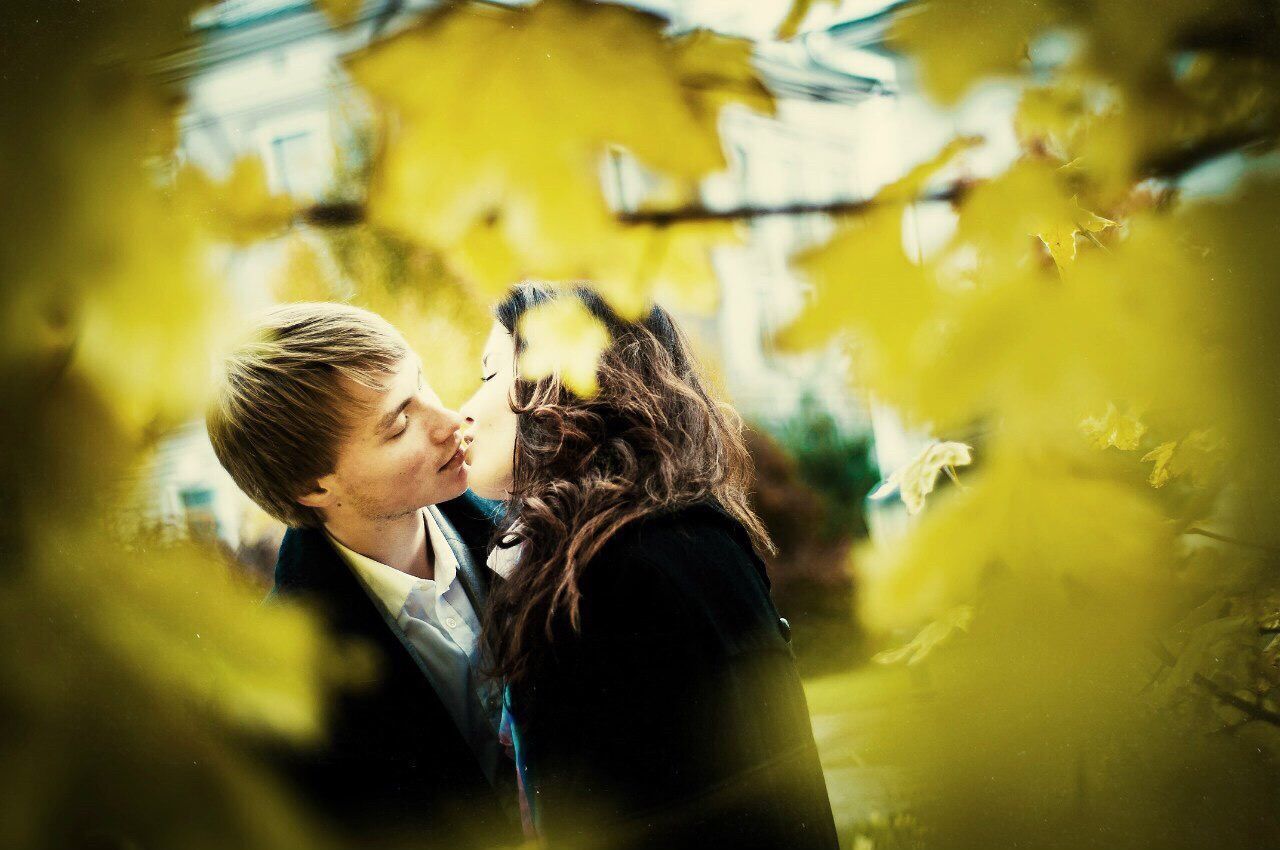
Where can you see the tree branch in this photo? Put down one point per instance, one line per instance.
(1176, 162)
(345, 214)
(680, 215)
(1213, 535)
(1166, 165)
(1253, 710)
(334, 214)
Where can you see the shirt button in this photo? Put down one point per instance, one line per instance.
(451, 622)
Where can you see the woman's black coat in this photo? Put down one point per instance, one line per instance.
(675, 717)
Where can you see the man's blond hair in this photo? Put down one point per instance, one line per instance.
(281, 409)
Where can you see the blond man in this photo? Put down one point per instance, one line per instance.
(325, 420)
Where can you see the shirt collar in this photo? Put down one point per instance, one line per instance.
(390, 586)
(503, 560)
(446, 563)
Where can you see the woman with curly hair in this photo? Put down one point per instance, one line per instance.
(650, 683)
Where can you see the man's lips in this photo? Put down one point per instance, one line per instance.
(455, 460)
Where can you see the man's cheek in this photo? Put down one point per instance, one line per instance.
(414, 464)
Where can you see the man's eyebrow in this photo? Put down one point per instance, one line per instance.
(484, 361)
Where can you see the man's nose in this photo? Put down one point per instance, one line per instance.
(445, 424)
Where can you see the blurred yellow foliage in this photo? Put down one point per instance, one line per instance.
(796, 15)
(892, 296)
(1022, 519)
(513, 188)
(340, 12)
(1113, 428)
(561, 338)
(446, 327)
(1030, 199)
(931, 636)
(240, 209)
(960, 43)
(1115, 597)
(441, 319)
(135, 672)
(1080, 618)
(1198, 454)
(916, 479)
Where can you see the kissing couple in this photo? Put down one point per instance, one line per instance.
(563, 597)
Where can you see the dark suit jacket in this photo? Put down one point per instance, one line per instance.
(675, 718)
(394, 761)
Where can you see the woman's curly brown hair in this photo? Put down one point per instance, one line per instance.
(651, 440)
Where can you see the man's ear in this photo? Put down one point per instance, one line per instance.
(320, 496)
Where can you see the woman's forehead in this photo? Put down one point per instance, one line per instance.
(499, 340)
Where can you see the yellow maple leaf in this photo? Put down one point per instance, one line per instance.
(1195, 454)
(241, 209)
(305, 275)
(796, 15)
(916, 479)
(910, 185)
(929, 638)
(997, 338)
(1113, 428)
(340, 12)
(668, 264)
(1030, 199)
(1060, 235)
(957, 43)
(442, 320)
(502, 119)
(863, 282)
(562, 338)
(1052, 118)
(715, 71)
(136, 273)
(1029, 519)
(790, 24)
(443, 323)
(862, 278)
(1162, 457)
(483, 256)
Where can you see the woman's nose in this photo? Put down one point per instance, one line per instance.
(465, 410)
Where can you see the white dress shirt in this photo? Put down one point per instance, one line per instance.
(440, 623)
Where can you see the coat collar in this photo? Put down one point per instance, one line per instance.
(477, 590)
(308, 564)
(309, 567)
